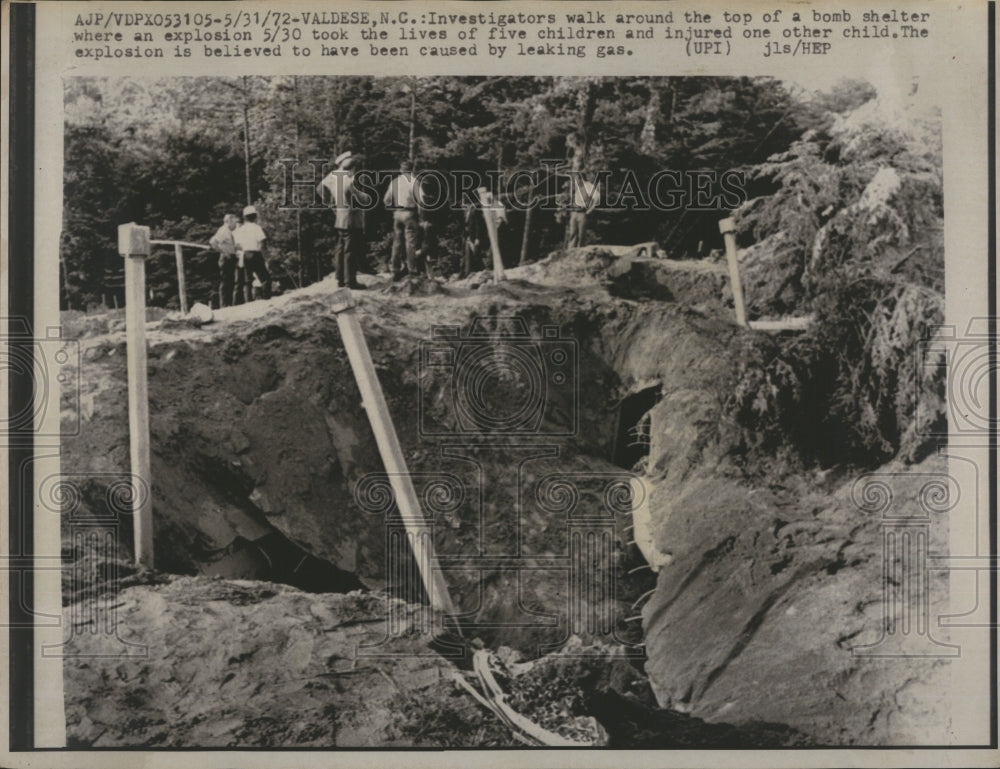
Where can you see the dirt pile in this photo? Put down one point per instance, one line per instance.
(780, 585)
(235, 663)
(264, 468)
(212, 663)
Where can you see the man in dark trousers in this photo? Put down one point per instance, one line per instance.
(349, 206)
(250, 239)
(402, 198)
(224, 244)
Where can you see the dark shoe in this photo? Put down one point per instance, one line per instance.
(355, 286)
(399, 276)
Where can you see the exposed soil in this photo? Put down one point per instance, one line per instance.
(270, 508)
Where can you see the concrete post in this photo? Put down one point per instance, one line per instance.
(181, 286)
(373, 400)
(133, 245)
(728, 229)
(491, 228)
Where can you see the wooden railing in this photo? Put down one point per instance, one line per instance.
(179, 256)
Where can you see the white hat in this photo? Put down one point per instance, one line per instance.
(342, 157)
(249, 210)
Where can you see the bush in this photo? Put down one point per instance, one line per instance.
(852, 235)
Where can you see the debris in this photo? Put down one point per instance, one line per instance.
(495, 700)
(197, 317)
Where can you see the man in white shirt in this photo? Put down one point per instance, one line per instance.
(349, 204)
(250, 239)
(403, 198)
(224, 243)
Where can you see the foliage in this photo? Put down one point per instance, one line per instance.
(851, 233)
(843, 219)
(170, 153)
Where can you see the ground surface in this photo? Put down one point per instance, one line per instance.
(267, 493)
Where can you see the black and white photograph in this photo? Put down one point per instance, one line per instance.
(512, 411)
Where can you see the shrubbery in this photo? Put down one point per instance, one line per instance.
(852, 234)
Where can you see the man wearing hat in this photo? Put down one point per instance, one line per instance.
(349, 204)
(250, 239)
(224, 244)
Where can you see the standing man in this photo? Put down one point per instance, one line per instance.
(349, 205)
(403, 198)
(250, 239)
(583, 199)
(476, 253)
(224, 243)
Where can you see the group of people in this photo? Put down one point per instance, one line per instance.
(411, 235)
(241, 259)
(242, 266)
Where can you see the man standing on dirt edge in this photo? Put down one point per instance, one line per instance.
(402, 199)
(583, 200)
(250, 239)
(349, 203)
(224, 243)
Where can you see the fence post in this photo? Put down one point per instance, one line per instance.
(133, 245)
(728, 229)
(491, 228)
(373, 401)
(181, 287)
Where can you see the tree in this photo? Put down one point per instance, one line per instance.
(850, 230)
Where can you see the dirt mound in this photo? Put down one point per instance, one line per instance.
(225, 664)
(263, 458)
(780, 585)
(415, 285)
(264, 467)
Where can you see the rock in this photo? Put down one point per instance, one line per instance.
(777, 597)
(262, 503)
(201, 314)
(239, 441)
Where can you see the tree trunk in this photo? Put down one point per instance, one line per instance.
(413, 123)
(65, 283)
(246, 146)
(647, 137)
(580, 140)
(298, 209)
